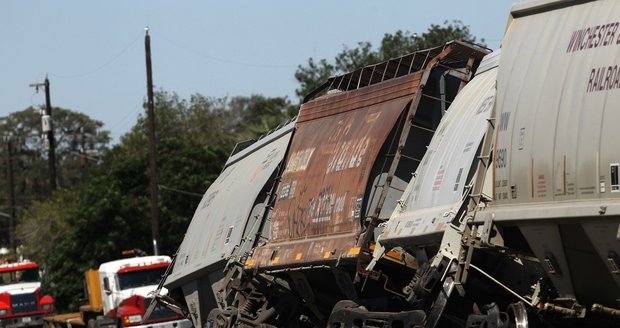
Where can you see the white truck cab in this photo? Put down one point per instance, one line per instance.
(126, 293)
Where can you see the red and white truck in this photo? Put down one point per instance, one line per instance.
(127, 285)
(119, 294)
(22, 302)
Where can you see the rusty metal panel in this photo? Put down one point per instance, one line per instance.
(325, 190)
(339, 102)
(229, 208)
(319, 205)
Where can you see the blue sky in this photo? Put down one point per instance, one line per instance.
(93, 51)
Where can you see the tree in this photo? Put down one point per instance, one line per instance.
(110, 211)
(437, 35)
(43, 225)
(394, 45)
(78, 139)
(105, 215)
(257, 115)
(194, 139)
(311, 76)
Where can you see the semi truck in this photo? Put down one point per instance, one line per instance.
(22, 301)
(119, 294)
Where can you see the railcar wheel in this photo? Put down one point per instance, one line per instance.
(517, 316)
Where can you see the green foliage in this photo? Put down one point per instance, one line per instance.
(105, 208)
(351, 59)
(105, 216)
(78, 138)
(257, 115)
(394, 45)
(437, 34)
(29, 158)
(110, 211)
(43, 226)
(312, 75)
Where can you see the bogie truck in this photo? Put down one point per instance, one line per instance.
(118, 295)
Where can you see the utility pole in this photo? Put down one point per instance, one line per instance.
(9, 173)
(48, 129)
(152, 147)
(83, 156)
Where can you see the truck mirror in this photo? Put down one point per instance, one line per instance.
(106, 286)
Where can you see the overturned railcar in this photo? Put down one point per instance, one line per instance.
(447, 169)
(433, 199)
(281, 245)
(350, 159)
(227, 223)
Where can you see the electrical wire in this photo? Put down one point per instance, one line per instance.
(72, 76)
(122, 123)
(219, 59)
(31, 99)
(180, 191)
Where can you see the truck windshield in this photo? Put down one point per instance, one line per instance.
(140, 278)
(12, 277)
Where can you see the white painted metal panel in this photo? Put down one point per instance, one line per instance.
(558, 90)
(556, 152)
(438, 185)
(221, 217)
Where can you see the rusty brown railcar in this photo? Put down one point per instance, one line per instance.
(356, 143)
(353, 149)
(284, 248)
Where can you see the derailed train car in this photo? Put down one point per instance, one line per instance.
(226, 224)
(510, 219)
(353, 153)
(297, 241)
(435, 196)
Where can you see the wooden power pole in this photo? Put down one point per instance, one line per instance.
(152, 146)
(9, 173)
(48, 129)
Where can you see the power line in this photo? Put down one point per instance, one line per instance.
(122, 123)
(32, 97)
(223, 60)
(180, 191)
(110, 61)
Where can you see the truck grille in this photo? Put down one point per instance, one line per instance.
(22, 303)
(160, 312)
